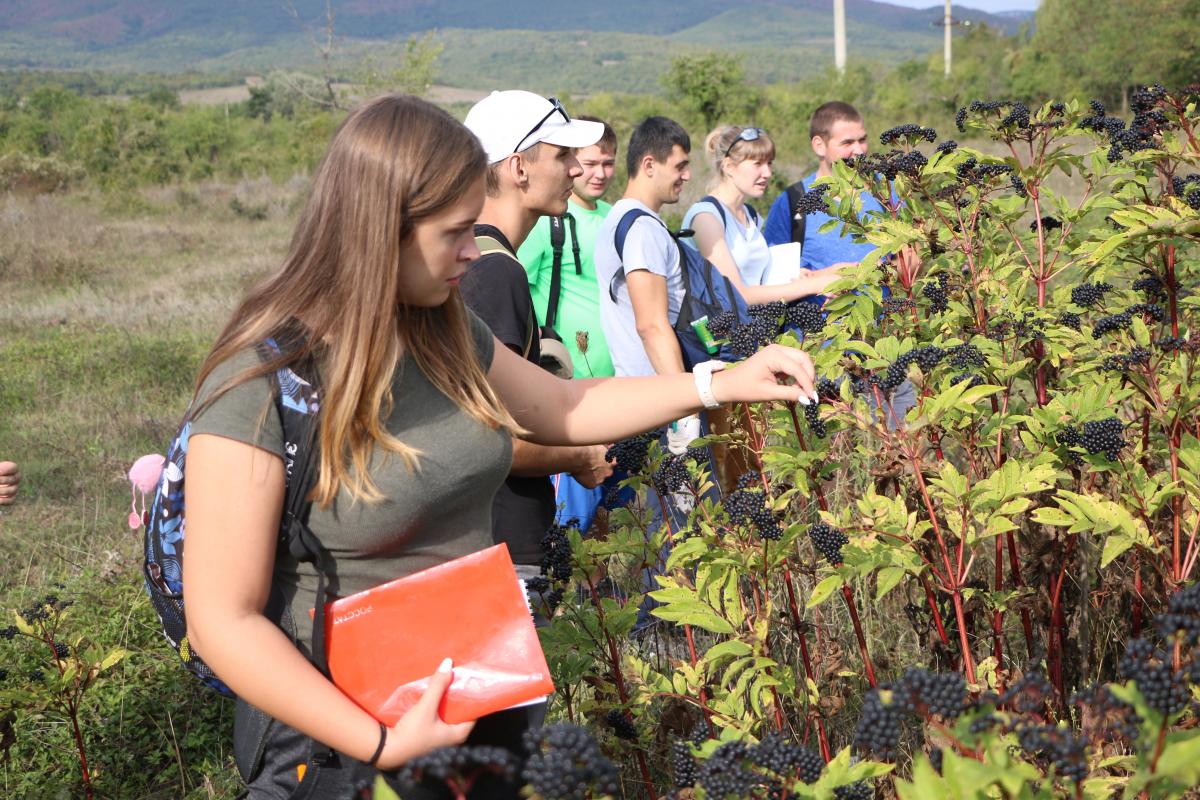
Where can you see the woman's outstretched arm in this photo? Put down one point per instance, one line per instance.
(599, 410)
(235, 498)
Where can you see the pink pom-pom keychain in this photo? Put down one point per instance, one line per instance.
(143, 476)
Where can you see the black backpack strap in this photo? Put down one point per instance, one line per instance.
(794, 193)
(557, 239)
(574, 244)
(752, 214)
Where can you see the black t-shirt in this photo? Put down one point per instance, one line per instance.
(495, 287)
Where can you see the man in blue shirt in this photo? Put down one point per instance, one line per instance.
(838, 132)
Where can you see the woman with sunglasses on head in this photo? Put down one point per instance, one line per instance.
(418, 404)
(728, 231)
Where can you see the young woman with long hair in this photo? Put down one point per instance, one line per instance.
(418, 407)
(730, 236)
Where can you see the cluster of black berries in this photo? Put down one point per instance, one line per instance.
(61, 650)
(1148, 122)
(812, 416)
(877, 732)
(828, 541)
(895, 305)
(740, 769)
(461, 766)
(770, 311)
(622, 724)
(1048, 223)
(1070, 319)
(1017, 117)
(935, 292)
(1061, 746)
(1191, 196)
(746, 506)
(971, 172)
(926, 357)
(922, 692)
(1098, 436)
(1113, 322)
(960, 120)
(1164, 688)
(889, 164)
(1028, 325)
(909, 132)
(746, 340)
(972, 380)
(786, 759)
(1088, 294)
(727, 773)
(1137, 356)
(672, 474)
(804, 316)
(859, 790)
(1018, 185)
(1150, 285)
(813, 201)
(8, 633)
(1170, 343)
(965, 356)
(566, 764)
(1152, 310)
(555, 566)
(948, 146)
(629, 455)
(1182, 618)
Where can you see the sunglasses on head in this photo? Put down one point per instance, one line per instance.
(557, 108)
(747, 135)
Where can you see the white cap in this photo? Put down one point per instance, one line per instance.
(514, 120)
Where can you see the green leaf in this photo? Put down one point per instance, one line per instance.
(1114, 545)
(823, 590)
(1051, 515)
(887, 580)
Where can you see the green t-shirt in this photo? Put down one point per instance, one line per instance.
(579, 298)
(440, 512)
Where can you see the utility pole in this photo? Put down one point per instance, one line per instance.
(947, 21)
(839, 34)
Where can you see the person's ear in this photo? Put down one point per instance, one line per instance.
(518, 170)
(818, 146)
(648, 165)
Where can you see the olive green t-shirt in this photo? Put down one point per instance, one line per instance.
(440, 512)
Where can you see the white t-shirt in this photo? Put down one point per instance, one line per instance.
(648, 246)
(746, 243)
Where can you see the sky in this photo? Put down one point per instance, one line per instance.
(982, 5)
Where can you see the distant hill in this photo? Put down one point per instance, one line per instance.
(582, 47)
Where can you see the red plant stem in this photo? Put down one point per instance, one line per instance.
(937, 615)
(619, 679)
(808, 673)
(1136, 613)
(1014, 566)
(858, 633)
(83, 761)
(998, 615)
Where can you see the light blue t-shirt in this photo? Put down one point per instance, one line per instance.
(649, 246)
(745, 242)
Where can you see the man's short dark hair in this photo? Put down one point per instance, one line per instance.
(608, 139)
(655, 136)
(826, 116)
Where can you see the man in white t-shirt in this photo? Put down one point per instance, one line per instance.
(645, 280)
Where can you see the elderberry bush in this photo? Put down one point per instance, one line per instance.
(935, 292)
(567, 764)
(828, 541)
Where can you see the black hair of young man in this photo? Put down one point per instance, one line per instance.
(655, 136)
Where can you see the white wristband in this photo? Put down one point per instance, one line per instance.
(702, 373)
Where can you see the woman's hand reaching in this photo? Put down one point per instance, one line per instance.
(776, 372)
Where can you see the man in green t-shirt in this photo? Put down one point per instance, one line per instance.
(577, 317)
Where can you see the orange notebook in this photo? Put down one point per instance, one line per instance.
(384, 643)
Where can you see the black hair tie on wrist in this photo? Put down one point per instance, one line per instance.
(379, 749)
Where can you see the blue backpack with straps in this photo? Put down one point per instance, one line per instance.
(706, 293)
(296, 401)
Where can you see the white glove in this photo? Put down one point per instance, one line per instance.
(681, 433)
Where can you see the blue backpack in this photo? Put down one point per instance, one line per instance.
(297, 404)
(706, 293)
